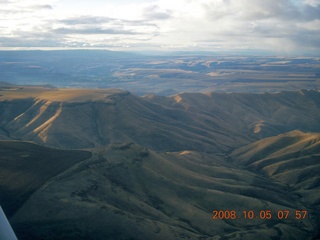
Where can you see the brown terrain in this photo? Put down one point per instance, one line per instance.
(156, 167)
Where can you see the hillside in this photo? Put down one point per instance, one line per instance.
(25, 167)
(256, 115)
(292, 159)
(215, 122)
(129, 192)
(156, 167)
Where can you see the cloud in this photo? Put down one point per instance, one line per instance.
(180, 24)
(98, 25)
(30, 41)
(252, 24)
(312, 2)
(154, 12)
(21, 7)
(91, 30)
(45, 7)
(310, 12)
(99, 20)
(248, 10)
(86, 20)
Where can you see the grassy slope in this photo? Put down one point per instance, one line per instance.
(127, 191)
(25, 167)
(292, 158)
(72, 120)
(201, 122)
(164, 195)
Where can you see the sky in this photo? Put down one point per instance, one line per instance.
(288, 27)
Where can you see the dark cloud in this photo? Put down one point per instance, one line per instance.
(283, 9)
(29, 9)
(154, 12)
(30, 41)
(44, 7)
(92, 31)
(103, 25)
(248, 10)
(310, 13)
(307, 39)
(91, 20)
(86, 20)
(286, 10)
(273, 21)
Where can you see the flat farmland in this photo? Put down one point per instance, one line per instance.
(162, 74)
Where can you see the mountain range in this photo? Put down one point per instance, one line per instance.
(108, 164)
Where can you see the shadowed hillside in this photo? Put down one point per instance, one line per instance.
(25, 167)
(292, 159)
(202, 122)
(254, 115)
(158, 166)
(129, 192)
(93, 118)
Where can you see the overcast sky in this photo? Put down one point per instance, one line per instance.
(279, 26)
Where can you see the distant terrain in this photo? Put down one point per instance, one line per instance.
(164, 74)
(123, 166)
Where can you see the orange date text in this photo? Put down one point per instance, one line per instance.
(262, 214)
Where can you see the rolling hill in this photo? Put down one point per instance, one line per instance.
(292, 158)
(25, 167)
(129, 192)
(213, 122)
(105, 163)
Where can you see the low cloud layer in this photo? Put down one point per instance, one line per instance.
(275, 26)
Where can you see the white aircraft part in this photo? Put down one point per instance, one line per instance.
(6, 232)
